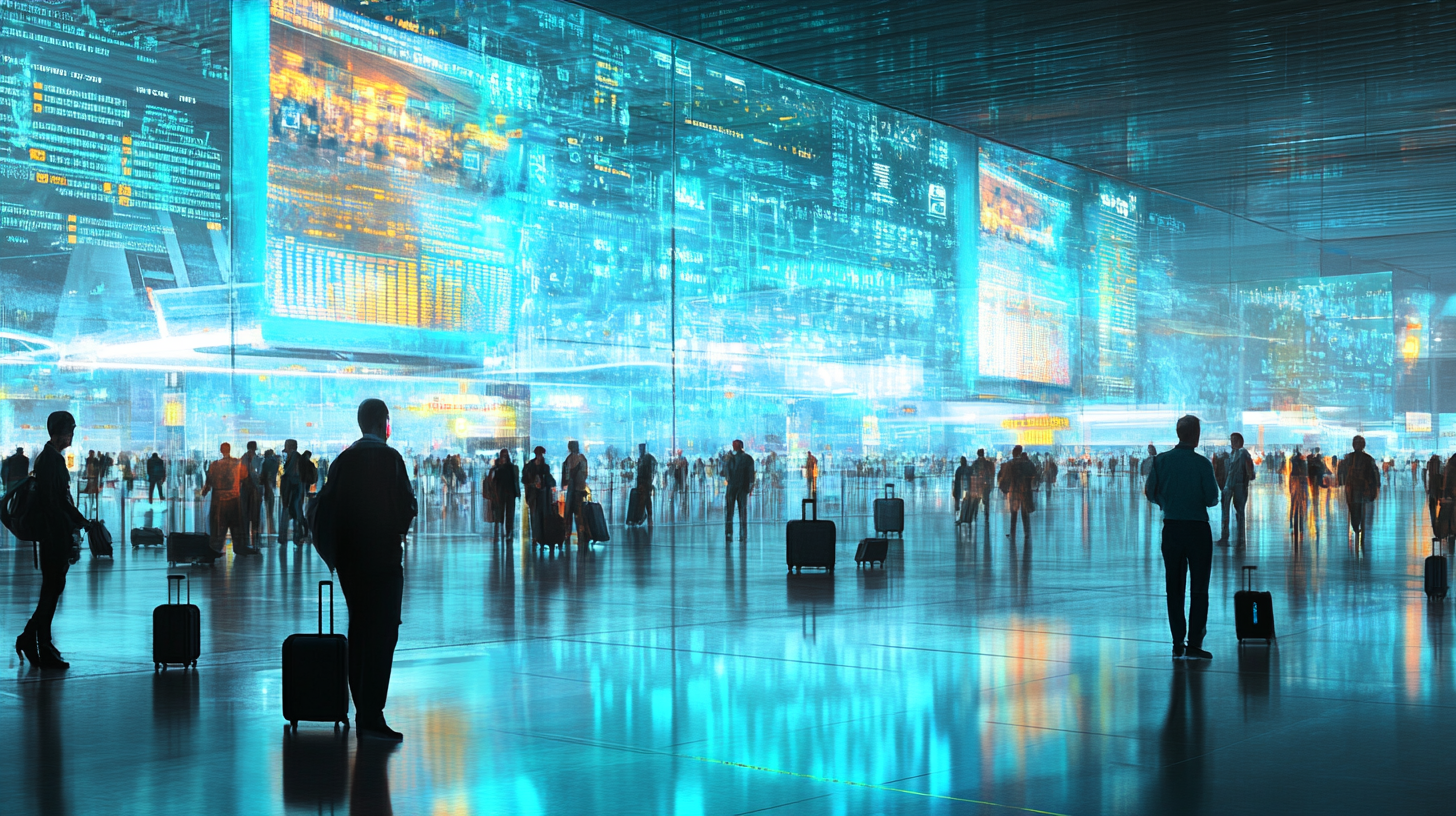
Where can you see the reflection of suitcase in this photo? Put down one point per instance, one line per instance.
(176, 629)
(872, 550)
(809, 542)
(1253, 611)
(190, 548)
(596, 522)
(147, 537)
(890, 512)
(637, 506)
(316, 672)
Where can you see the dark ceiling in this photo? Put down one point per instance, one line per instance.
(1334, 121)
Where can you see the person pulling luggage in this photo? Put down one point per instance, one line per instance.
(363, 513)
(646, 479)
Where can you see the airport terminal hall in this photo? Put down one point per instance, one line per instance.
(719, 407)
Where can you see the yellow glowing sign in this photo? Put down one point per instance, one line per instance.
(1040, 423)
(174, 414)
(1411, 348)
(1034, 437)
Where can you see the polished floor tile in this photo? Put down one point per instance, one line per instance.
(668, 673)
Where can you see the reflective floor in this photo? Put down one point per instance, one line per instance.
(669, 673)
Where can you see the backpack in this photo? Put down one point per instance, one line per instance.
(16, 510)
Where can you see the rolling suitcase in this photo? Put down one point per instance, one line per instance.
(890, 512)
(596, 522)
(637, 506)
(99, 539)
(553, 527)
(1253, 611)
(147, 537)
(316, 672)
(190, 548)
(1436, 575)
(176, 629)
(871, 550)
(809, 542)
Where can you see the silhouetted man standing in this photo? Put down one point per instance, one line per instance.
(364, 510)
(1361, 478)
(1181, 482)
(1431, 478)
(811, 475)
(739, 478)
(646, 479)
(16, 466)
(1017, 481)
(1236, 486)
(291, 492)
(156, 477)
(225, 479)
(250, 497)
(573, 478)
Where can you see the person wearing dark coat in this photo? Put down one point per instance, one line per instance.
(57, 524)
(507, 489)
(1431, 477)
(369, 504)
(156, 477)
(1017, 480)
(960, 483)
(1361, 478)
(537, 481)
(739, 478)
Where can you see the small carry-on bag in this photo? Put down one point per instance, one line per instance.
(147, 537)
(99, 538)
(1253, 611)
(596, 522)
(553, 527)
(890, 512)
(176, 629)
(316, 672)
(190, 548)
(809, 542)
(637, 507)
(1436, 575)
(871, 550)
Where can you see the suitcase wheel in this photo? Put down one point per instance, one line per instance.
(293, 724)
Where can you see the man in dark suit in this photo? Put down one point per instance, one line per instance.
(739, 478)
(363, 513)
(1361, 478)
(1017, 480)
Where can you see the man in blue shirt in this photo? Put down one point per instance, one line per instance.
(1181, 482)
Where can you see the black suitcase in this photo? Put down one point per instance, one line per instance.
(316, 672)
(637, 506)
(1436, 574)
(147, 537)
(1253, 611)
(190, 548)
(872, 550)
(809, 542)
(596, 522)
(176, 629)
(553, 527)
(890, 512)
(99, 539)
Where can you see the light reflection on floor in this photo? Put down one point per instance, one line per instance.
(667, 673)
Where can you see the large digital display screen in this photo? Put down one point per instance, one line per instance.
(530, 219)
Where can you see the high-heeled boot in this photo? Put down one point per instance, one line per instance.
(26, 646)
(50, 656)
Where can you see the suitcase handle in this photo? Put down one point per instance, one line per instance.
(184, 582)
(321, 607)
(1249, 577)
(889, 490)
(814, 502)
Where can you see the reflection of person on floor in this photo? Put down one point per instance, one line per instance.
(369, 792)
(1361, 478)
(1236, 487)
(1017, 481)
(1182, 747)
(368, 505)
(738, 473)
(1181, 482)
(225, 479)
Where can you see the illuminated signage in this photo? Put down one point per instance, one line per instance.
(1039, 423)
